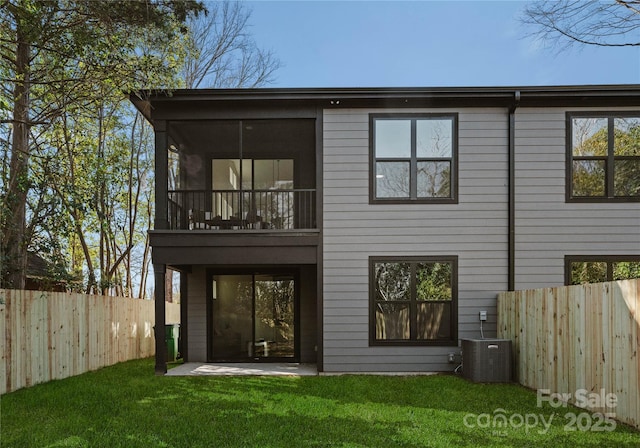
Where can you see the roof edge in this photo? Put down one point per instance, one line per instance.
(365, 96)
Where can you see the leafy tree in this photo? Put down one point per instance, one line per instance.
(627, 143)
(434, 281)
(626, 270)
(75, 187)
(583, 272)
(588, 272)
(57, 53)
(274, 307)
(612, 23)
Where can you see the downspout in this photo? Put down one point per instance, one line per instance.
(512, 192)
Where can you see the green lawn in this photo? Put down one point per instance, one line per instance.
(127, 406)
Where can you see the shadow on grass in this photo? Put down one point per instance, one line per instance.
(125, 405)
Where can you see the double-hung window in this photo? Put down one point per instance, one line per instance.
(413, 300)
(413, 158)
(603, 157)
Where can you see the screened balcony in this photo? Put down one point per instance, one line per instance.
(241, 175)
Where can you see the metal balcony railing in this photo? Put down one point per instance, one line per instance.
(249, 209)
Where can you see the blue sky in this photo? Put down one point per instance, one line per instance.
(423, 44)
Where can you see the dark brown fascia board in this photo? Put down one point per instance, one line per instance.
(239, 238)
(530, 96)
(329, 98)
(391, 92)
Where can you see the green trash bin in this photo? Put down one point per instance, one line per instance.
(172, 334)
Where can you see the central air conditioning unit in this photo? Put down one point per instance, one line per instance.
(486, 360)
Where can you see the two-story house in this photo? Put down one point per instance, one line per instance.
(364, 229)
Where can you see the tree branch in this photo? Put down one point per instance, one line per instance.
(590, 22)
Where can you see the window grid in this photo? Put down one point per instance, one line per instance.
(413, 301)
(414, 161)
(607, 161)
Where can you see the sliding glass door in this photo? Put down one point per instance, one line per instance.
(252, 317)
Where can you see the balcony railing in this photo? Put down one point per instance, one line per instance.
(250, 209)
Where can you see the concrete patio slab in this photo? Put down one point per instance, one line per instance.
(243, 369)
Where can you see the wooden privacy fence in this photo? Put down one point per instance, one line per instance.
(50, 335)
(576, 338)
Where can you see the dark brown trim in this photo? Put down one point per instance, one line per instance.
(159, 271)
(511, 238)
(609, 259)
(153, 104)
(568, 143)
(237, 256)
(453, 259)
(297, 300)
(414, 160)
(320, 227)
(184, 316)
(609, 159)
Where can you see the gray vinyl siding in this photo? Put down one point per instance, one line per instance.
(547, 227)
(475, 230)
(197, 314)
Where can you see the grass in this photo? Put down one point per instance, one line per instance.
(127, 406)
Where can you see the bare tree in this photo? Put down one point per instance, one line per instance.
(613, 23)
(222, 53)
